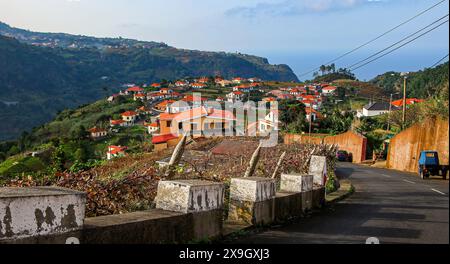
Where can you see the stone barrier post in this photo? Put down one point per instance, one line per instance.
(252, 200)
(318, 168)
(202, 199)
(298, 183)
(39, 211)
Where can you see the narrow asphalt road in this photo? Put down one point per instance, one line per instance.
(393, 206)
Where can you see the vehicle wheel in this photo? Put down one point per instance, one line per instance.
(422, 175)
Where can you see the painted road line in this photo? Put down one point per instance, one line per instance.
(385, 175)
(434, 190)
(409, 181)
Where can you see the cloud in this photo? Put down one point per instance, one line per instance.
(296, 7)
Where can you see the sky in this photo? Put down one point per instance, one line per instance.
(301, 33)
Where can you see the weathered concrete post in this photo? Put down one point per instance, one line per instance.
(202, 199)
(252, 200)
(318, 168)
(298, 183)
(33, 212)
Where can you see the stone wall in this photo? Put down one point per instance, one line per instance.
(404, 148)
(350, 141)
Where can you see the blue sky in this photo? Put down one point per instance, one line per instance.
(302, 33)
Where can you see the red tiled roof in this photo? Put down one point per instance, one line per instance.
(116, 122)
(97, 130)
(165, 103)
(190, 98)
(163, 138)
(166, 116)
(309, 110)
(409, 101)
(330, 88)
(129, 113)
(135, 89)
(156, 85)
(116, 149)
(198, 85)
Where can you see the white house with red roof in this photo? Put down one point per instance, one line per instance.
(198, 85)
(98, 132)
(243, 88)
(117, 123)
(115, 152)
(129, 117)
(329, 90)
(134, 90)
(235, 96)
(314, 114)
(152, 128)
(139, 96)
(238, 80)
(181, 83)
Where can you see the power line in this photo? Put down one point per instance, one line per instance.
(404, 44)
(439, 61)
(376, 38)
(400, 41)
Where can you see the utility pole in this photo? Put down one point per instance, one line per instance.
(310, 119)
(389, 115)
(404, 102)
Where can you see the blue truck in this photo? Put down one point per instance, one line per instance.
(429, 165)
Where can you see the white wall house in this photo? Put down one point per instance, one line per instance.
(375, 109)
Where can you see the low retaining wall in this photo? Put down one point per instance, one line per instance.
(186, 211)
(350, 141)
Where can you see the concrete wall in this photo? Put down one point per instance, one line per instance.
(405, 148)
(295, 138)
(35, 211)
(157, 226)
(350, 141)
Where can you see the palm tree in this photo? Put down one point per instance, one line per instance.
(333, 67)
(322, 69)
(315, 74)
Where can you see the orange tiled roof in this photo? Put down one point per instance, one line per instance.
(97, 130)
(135, 89)
(116, 122)
(409, 101)
(163, 138)
(129, 113)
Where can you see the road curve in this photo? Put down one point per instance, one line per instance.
(395, 207)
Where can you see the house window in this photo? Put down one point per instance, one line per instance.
(180, 125)
(194, 126)
(169, 123)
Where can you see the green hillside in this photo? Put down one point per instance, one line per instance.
(421, 84)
